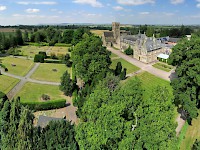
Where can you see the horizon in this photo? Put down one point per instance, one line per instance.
(137, 12)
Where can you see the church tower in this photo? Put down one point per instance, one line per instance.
(116, 31)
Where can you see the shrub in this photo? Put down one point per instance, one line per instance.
(39, 58)
(53, 56)
(43, 53)
(6, 69)
(45, 97)
(48, 105)
(129, 51)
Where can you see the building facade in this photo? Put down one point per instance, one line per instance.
(145, 49)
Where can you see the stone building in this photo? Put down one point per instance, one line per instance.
(146, 49)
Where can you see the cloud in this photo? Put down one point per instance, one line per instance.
(30, 10)
(198, 5)
(37, 3)
(175, 2)
(144, 13)
(118, 8)
(135, 2)
(2, 8)
(168, 14)
(93, 3)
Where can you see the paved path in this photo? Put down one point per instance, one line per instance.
(146, 67)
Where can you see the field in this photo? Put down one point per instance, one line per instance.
(130, 68)
(45, 72)
(163, 66)
(33, 92)
(192, 133)
(98, 32)
(7, 83)
(22, 65)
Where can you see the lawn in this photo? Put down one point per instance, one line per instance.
(22, 65)
(113, 55)
(7, 83)
(150, 82)
(30, 51)
(192, 133)
(32, 92)
(45, 72)
(130, 67)
(58, 50)
(163, 66)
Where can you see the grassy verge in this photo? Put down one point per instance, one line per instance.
(163, 66)
(130, 67)
(113, 55)
(192, 133)
(21, 68)
(46, 72)
(7, 83)
(182, 134)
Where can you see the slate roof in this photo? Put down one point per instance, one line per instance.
(43, 121)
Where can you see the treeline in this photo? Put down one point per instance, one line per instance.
(52, 35)
(177, 32)
(17, 130)
(10, 40)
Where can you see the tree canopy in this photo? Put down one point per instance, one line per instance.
(186, 56)
(90, 59)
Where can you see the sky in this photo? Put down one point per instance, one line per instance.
(33, 12)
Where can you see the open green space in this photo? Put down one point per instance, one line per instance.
(192, 133)
(7, 83)
(150, 82)
(163, 66)
(30, 51)
(17, 66)
(130, 67)
(50, 72)
(32, 92)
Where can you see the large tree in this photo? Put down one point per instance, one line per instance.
(90, 59)
(186, 56)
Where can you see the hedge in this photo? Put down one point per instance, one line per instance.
(63, 45)
(48, 105)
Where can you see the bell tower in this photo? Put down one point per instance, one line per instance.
(116, 31)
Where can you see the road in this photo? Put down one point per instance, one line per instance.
(146, 67)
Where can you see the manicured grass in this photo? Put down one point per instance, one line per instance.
(32, 92)
(45, 72)
(113, 55)
(22, 65)
(150, 82)
(7, 83)
(192, 133)
(130, 68)
(163, 66)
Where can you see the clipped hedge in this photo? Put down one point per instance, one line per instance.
(48, 105)
(63, 45)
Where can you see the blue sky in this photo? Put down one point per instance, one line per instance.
(99, 11)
